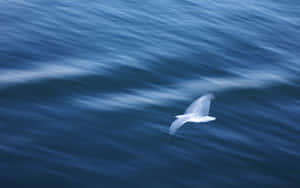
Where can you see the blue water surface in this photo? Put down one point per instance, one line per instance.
(88, 90)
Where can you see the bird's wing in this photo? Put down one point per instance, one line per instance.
(201, 105)
(177, 124)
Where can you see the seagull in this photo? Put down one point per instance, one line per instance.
(197, 112)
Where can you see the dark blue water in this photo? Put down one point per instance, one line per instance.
(88, 90)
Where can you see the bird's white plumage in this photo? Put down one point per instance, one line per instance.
(201, 105)
(196, 112)
(177, 124)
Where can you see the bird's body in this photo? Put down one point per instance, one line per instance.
(198, 119)
(197, 112)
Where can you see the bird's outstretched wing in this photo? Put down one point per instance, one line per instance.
(201, 105)
(177, 124)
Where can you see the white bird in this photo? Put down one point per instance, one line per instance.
(197, 112)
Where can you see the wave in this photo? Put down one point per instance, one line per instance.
(50, 70)
(182, 90)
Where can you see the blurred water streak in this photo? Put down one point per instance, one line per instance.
(88, 91)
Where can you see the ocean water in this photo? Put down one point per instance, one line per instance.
(88, 90)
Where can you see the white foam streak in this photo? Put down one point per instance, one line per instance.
(14, 77)
(186, 90)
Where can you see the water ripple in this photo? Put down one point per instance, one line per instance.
(184, 90)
